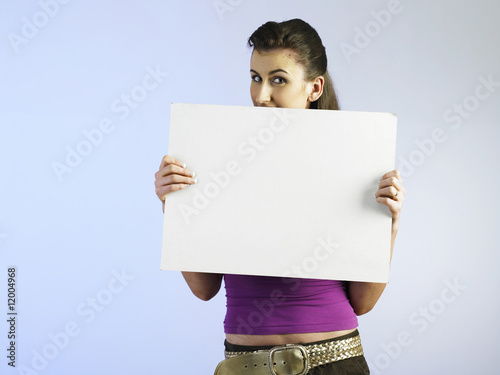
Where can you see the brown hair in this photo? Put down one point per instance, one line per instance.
(304, 40)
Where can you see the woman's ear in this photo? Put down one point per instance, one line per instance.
(316, 89)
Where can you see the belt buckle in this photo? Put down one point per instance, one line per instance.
(302, 350)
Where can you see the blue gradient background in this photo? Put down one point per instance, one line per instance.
(67, 237)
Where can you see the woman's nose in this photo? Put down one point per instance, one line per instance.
(263, 95)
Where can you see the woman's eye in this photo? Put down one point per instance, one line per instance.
(279, 80)
(256, 78)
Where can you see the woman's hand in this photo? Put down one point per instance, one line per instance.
(364, 295)
(392, 193)
(172, 176)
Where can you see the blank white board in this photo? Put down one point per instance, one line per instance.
(280, 192)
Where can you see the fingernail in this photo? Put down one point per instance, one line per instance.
(193, 174)
(184, 165)
(194, 180)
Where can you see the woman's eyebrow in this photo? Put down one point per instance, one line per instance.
(272, 71)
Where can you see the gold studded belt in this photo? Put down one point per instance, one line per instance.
(289, 359)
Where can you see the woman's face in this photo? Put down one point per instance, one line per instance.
(278, 81)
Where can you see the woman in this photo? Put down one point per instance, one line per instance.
(288, 69)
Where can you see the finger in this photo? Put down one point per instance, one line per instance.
(391, 181)
(166, 185)
(394, 206)
(393, 173)
(174, 179)
(388, 192)
(171, 169)
(167, 159)
(165, 190)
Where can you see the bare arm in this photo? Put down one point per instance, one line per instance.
(203, 285)
(173, 176)
(364, 295)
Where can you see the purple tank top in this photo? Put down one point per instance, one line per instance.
(262, 305)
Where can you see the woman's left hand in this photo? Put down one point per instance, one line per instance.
(392, 193)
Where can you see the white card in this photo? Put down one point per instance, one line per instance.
(280, 192)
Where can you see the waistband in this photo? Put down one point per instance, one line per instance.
(286, 359)
(244, 348)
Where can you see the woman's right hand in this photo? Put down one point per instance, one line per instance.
(172, 176)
